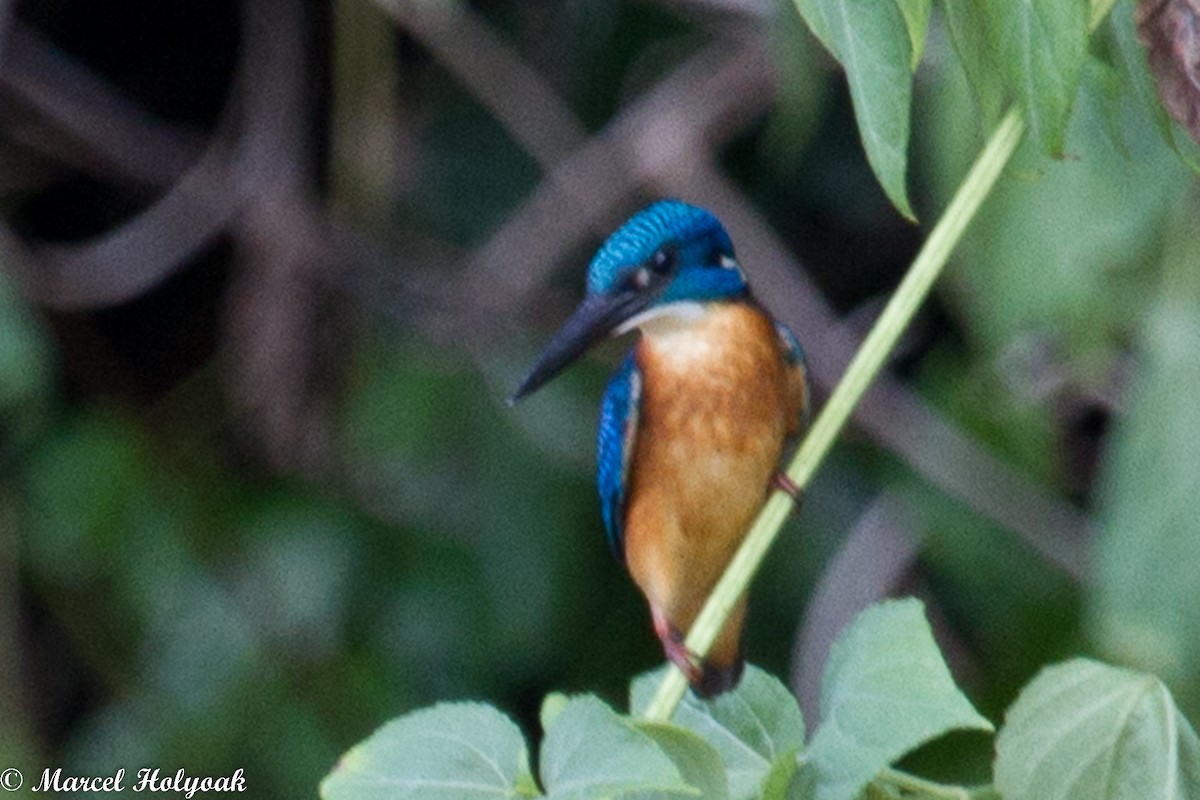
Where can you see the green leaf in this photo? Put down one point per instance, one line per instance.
(697, 761)
(1087, 731)
(1135, 69)
(1041, 46)
(89, 485)
(813, 14)
(754, 728)
(450, 751)
(778, 782)
(552, 706)
(967, 25)
(885, 690)
(591, 752)
(1101, 86)
(871, 40)
(1146, 610)
(1026, 285)
(916, 19)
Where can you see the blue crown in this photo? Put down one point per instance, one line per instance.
(698, 235)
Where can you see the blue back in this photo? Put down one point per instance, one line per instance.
(614, 443)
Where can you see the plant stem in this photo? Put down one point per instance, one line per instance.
(865, 365)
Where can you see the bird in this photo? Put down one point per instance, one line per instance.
(694, 423)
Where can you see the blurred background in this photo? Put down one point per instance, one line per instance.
(269, 269)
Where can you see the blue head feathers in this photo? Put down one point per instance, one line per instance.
(667, 253)
(684, 239)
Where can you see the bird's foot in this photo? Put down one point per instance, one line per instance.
(781, 481)
(690, 664)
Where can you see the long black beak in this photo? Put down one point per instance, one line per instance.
(595, 318)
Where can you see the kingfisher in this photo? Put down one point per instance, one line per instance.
(694, 423)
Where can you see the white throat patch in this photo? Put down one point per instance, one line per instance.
(665, 318)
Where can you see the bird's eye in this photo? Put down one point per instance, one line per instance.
(663, 260)
(640, 279)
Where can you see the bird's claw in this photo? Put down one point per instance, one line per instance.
(690, 664)
(783, 483)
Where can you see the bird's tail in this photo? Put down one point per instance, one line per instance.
(717, 679)
(721, 670)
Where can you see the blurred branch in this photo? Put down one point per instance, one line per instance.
(870, 565)
(111, 136)
(91, 125)
(710, 98)
(118, 139)
(521, 100)
(253, 181)
(133, 258)
(271, 319)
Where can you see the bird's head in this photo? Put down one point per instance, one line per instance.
(665, 260)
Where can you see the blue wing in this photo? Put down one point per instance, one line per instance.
(614, 447)
(793, 353)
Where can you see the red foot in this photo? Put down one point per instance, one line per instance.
(781, 481)
(676, 651)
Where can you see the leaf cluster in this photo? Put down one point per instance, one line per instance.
(1079, 730)
(1028, 53)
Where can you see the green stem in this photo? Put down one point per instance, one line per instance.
(862, 370)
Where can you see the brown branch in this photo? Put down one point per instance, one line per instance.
(133, 258)
(85, 121)
(516, 94)
(716, 93)
(271, 321)
(711, 97)
(115, 137)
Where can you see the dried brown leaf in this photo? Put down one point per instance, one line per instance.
(1170, 32)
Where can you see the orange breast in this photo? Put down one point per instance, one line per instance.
(715, 410)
